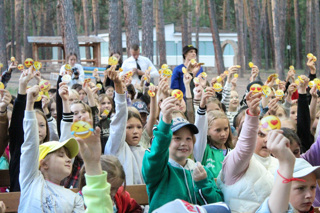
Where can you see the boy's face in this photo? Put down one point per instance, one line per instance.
(181, 146)
(303, 193)
(58, 165)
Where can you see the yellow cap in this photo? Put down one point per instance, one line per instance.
(71, 144)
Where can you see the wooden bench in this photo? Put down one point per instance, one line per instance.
(138, 192)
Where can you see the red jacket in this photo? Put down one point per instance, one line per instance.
(125, 203)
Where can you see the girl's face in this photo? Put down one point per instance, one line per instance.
(82, 94)
(109, 92)
(181, 146)
(303, 193)
(234, 99)
(80, 113)
(191, 54)
(280, 113)
(42, 125)
(72, 60)
(105, 104)
(295, 148)
(133, 131)
(219, 132)
(293, 113)
(261, 146)
(213, 106)
(53, 110)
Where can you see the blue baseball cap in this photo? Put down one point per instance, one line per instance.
(178, 123)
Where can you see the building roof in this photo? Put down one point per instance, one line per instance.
(58, 39)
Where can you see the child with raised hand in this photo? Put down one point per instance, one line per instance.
(278, 201)
(214, 140)
(168, 172)
(16, 133)
(125, 134)
(96, 193)
(43, 167)
(248, 168)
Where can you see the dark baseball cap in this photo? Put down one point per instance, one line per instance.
(178, 123)
(187, 49)
(141, 107)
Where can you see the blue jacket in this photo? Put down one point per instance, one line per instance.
(177, 78)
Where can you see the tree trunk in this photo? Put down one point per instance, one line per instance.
(147, 28)
(3, 38)
(18, 10)
(190, 6)
(161, 41)
(317, 32)
(13, 48)
(131, 23)
(215, 38)
(27, 51)
(309, 23)
(238, 7)
(263, 27)
(95, 14)
(120, 12)
(184, 23)
(48, 26)
(69, 33)
(254, 31)
(114, 27)
(197, 25)
(59, 27)
(276, 7)
(298, 34)
(226, 15)
(270, 34)
(86, 24)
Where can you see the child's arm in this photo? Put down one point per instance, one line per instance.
(202, 124)
(153, 111)
(154, 165)
(303, 116)
(96, 193)
(280, 194)
(206, 190)
(313, 104)
(226, 93)
(237, 161)
(187, 78)
(29, 164)
(5, 99)
(118, 124)
(67, 115)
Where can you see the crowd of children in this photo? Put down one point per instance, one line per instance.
(195, 145)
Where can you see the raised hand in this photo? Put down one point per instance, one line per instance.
(279, 146)
(207, 93)
(302, 87)
(253, 102)
(273, 106)
(63, 91)
(32, 95)
(5, 98)
(24, 79)
(312, 67)
(90, 150)
(167, 107)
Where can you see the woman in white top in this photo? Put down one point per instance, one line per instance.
(76, 71)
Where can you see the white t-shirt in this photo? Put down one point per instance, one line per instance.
(144, 63)
(74, 81)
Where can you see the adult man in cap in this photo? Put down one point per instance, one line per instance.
(138, 65)
(189, 52)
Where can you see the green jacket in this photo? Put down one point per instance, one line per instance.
(212, 159)
(167, 181)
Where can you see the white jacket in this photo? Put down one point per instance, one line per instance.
(129, 156)
(247, 194)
